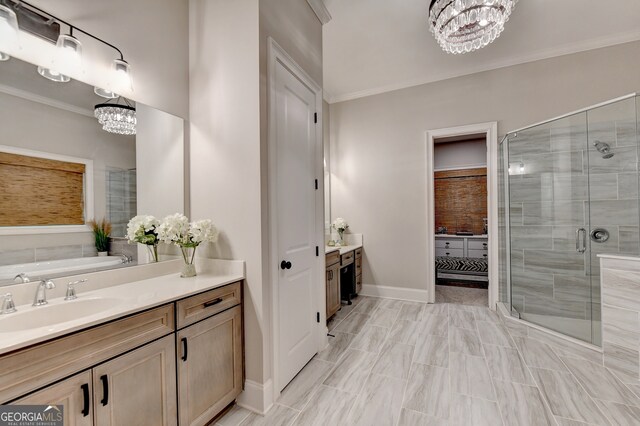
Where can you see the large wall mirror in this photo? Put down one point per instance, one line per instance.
(59, 169)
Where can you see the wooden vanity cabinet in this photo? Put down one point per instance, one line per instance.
(358, 256)
(74, 394)
(210, 372)
(138, 388)
(332, 279)
(139, 370)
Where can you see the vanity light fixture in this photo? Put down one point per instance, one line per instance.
(68, 55)
(8, 32)
(461, 26)
(119, 118)
(120, 80)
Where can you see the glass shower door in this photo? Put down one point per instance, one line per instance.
(549, 226)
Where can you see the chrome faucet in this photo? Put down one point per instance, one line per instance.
(125, 258)
(41, 292)
(71, 290)
(7, 304)
(22, 278)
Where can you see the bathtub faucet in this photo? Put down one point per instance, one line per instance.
(125, 258)
(21, 278)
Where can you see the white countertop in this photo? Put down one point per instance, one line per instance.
(128, 298)
(343, 249)
(461, 236)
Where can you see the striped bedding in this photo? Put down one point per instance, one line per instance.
(461, 264)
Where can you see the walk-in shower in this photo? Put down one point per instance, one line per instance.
(569, 191)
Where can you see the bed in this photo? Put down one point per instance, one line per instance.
(461, 268)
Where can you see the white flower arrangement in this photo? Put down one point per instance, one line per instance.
(176, 229)
(143, 229)
(340, 225)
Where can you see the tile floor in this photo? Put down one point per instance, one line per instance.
(403, 363)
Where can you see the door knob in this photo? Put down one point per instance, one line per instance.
(285, 265)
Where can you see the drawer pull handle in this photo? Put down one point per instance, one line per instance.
(448, 253)
(484, 244)
(105, 390)
(185, 349)
(485, 255)
(213, 302)
(85, 399)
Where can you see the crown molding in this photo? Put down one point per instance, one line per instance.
(563, 50)
(320, 10)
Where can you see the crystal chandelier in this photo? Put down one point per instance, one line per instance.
(461, 26)
(117, 118)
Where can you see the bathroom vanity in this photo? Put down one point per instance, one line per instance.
(160, 350)
(343, 276)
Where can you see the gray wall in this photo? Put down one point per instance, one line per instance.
(464, 154)
(378, 143)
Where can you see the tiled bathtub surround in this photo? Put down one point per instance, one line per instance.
(408, 363)
(621, 315)
(559, 182)
(38, 254)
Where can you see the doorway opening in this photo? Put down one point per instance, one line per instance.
(461, 222)
(462, 241)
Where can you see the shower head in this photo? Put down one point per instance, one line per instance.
(604, 149)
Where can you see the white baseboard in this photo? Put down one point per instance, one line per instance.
(400, 293)
(256, 397)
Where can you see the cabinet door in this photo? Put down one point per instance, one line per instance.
(333, 290)
(210, 372)
(73, 393)
(138, 388)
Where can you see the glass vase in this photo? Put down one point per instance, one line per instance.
(189, 256)
(341, 238)
(153, 252)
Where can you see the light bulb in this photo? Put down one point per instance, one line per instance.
(8, 32)
(483, 22)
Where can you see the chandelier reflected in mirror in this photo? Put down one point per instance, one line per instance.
(117, 117)
(461, 26)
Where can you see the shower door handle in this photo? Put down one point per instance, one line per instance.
(581, 240)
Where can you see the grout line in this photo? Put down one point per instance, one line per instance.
(592, 399)
(542, 396)
(486, 363)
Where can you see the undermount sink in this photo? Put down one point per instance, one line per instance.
(51, 315)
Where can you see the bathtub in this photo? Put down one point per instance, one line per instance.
(56, 267)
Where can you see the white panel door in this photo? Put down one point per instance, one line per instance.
(296, 222)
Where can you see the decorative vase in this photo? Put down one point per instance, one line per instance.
(153, 252)
(189, 256)
(103, 253)
(341, 240)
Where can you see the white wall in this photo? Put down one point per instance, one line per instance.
(464, 154)
(34, 126)
(225, 147)
(378, 143)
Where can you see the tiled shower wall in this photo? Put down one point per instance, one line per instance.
(558, 183)
(121, 199)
